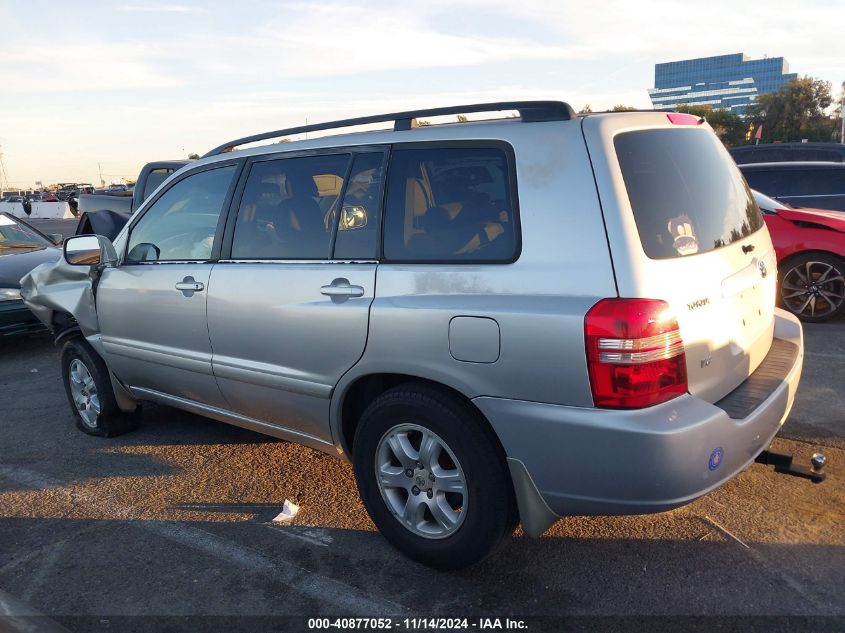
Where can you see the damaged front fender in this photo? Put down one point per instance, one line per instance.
(61, 288)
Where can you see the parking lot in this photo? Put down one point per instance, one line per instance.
(175, 519)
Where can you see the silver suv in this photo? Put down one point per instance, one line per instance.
(495, 321)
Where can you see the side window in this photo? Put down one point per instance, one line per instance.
(360, 213)
(181, 224)
(154, 179)
(449, 205)
(288, 207)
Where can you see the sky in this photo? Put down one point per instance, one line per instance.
(104, 87)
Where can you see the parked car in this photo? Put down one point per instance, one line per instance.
(22, 248)
(820, 185)
(810, 246)
(49, 196)
(779, 152)
(502, 321)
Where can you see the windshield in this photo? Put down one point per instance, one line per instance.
(767, 204)
(15, 236)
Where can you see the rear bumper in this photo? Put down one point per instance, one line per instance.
(16, 318)
(594, 461)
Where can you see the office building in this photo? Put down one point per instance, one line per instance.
(729, 82)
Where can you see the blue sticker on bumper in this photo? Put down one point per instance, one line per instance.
(715, 458)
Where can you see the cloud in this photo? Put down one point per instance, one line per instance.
(137, 8)
(172, 77)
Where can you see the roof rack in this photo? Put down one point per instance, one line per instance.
(529, 112)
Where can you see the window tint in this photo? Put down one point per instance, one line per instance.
(769, 181)
(449, 204)
(816, 182)
(286, 211)
(154, 179)
(685, 191)
(181, 224)
(360, 213)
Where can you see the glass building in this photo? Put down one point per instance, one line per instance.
(729, 82)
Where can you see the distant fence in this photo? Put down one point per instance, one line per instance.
(40, 210)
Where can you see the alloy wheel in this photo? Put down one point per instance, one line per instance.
(421, 481)
(813, 289)
(84, 392)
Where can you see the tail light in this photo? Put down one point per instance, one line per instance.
(635, 355)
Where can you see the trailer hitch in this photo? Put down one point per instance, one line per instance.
(783, 464)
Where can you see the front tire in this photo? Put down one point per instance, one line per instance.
(90, 394)
(433, 476)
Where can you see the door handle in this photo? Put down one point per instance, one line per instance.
(189, 285)
(342, 291)
(341, 288)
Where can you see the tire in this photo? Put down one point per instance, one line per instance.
(90, 394)
(471, 524)
(812, 286)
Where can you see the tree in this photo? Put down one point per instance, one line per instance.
(193, 156)
(623, 108)
(462, 118)
(795, 112)
(585, 110)
(729, 127)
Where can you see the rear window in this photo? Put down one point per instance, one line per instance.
(686, 192)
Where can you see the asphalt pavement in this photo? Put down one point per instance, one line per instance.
(175, 520)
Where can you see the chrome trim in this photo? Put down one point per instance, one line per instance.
(297, 261)
(818, 195)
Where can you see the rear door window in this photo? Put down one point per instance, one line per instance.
(360, 212)
(288, 208)
(685, 191)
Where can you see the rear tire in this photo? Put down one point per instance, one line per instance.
(454, 510)
(90, 394)
(812, 286)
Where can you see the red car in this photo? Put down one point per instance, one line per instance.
(810, 247)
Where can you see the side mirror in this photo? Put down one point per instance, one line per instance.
(89, 250)
(352, 217)
(56, 238)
